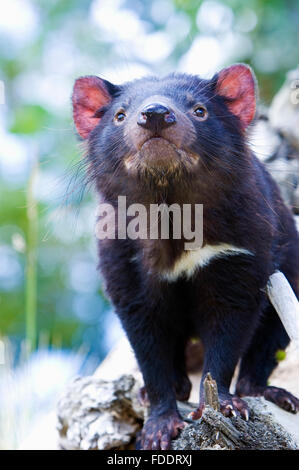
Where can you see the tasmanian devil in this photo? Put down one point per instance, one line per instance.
(183, 140)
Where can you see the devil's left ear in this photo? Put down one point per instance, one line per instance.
(237, 84)
(89, 95)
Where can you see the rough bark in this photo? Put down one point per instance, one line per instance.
(95, 414)
(99, 414)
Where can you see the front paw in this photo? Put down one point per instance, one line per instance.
(158, 431)
(230, 405)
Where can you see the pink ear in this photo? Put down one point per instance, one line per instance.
(237, 85)
(89, 94)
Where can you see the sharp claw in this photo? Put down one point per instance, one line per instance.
(165, 444)
(235, 408)
(155, 445)
(292, 406)
(194, 415)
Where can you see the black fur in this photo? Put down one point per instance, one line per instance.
(223, 303)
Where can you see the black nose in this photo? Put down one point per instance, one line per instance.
(156, 117)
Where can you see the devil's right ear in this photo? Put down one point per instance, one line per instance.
(89, 95)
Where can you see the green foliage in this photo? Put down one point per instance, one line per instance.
(30, 119)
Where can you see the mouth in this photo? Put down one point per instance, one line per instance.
(160, 159)
(158, 152)
(156, 138)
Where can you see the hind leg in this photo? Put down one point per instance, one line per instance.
(260, 360)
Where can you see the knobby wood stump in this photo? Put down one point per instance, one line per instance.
(96, 414)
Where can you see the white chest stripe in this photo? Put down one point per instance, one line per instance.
(190, 261)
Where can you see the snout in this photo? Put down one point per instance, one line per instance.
(156, 117)
(159, 136)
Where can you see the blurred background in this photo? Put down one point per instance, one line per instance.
(55, 321)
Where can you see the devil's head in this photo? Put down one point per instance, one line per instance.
(164, 129)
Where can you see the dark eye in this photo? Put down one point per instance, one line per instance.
(120, 116)
(200, 112)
